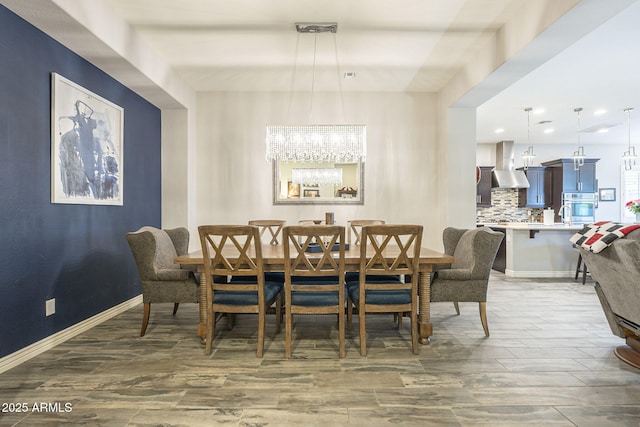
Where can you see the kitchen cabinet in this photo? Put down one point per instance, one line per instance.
(483, 186)
(538, 195)
(568, 180)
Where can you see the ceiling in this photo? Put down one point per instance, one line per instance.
(248, 45)
(396, 46)
(599, 72)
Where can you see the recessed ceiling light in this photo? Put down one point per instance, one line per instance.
(538, 111)
(549, 130)
(499, 130)
(599, 112)
(603, 130)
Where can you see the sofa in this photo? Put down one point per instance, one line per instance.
(616, 271)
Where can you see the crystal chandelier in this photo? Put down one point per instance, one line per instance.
(317, 143)
(528, 156)
(629, 157)
(337, 143)
(319, 176)
(578, 155)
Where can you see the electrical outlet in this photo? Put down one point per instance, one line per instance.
(50, 307)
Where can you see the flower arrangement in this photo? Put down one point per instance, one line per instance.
(634, 206)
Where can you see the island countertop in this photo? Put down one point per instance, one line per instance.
(532, 249)
(559, 226)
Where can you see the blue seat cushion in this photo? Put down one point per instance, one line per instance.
(354, 276)
(314, 299)
(271, 291)
(275, 276)
(379, 297)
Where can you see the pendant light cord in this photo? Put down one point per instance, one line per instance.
(335, 48)
(313, 72)
(293, 77)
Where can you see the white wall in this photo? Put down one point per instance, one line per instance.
(234, 181)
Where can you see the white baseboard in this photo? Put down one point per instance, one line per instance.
(539, 274)
(31, 351)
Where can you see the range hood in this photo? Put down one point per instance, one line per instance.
(505, 175)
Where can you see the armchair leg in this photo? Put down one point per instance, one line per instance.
(175, 308)
(455, 305)
(483, 317)
(145, 318)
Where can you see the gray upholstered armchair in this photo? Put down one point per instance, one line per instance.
(162, 281)
(467, 279)
(616, 270)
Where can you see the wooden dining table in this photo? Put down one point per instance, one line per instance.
(273, 261)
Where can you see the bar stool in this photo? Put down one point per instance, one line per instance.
(580, 264)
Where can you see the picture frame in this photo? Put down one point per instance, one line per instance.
(87, 142)
(311, 193)
(607, 194)
(293, 190)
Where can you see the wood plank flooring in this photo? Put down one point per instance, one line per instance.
(549, 362)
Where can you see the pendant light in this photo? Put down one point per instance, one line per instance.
(528, 156)
(337, 143)
(629, 156)
(578, 155)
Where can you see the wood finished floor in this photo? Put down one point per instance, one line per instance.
(549, 361)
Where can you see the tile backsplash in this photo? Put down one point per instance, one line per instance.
(504, 208)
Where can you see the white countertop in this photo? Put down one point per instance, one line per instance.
(533, 226)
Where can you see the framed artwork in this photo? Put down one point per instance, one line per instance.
(86, 146)
(311, 193)
(293, 190)
(607, 195)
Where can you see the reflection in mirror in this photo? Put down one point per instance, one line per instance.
(318, 183)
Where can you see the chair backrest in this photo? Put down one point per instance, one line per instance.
(273, 225)
(355, 226)
(232, 250)
(390, 250)
(476, 250)
(308, 250)
(155, 249)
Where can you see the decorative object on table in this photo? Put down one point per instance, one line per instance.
(347, 192)
(162, 281)
(387, 293)
(86, 146)
(254, 295)
(313, 284)
(607, 194)
(634, 206)
(329, 218)
(467, 279)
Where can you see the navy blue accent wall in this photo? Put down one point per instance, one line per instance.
(76, 254)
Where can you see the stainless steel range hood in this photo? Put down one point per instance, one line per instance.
(505, 175)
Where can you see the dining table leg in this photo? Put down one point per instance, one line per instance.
(425, 328)
(202, 326)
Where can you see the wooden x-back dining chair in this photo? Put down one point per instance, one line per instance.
(252, 295)
(314, 276)
(394, 250)
(354, 227)
(273, 225)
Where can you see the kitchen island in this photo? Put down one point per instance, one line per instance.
(532, 249)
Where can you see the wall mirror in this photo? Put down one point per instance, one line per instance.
(318, 183)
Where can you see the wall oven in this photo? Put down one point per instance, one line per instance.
(580, 207)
